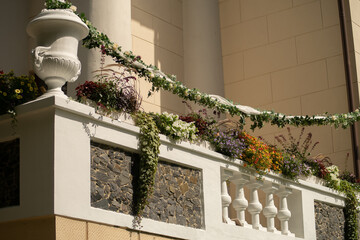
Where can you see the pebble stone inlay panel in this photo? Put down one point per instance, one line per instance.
(9, 173)
(177, 196)
(329, 222)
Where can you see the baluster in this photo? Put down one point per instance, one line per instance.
(255, 206)
(240, 203)
(225, 197)
(270, 210)
(284, 213)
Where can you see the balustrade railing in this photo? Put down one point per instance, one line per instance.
(251, 203)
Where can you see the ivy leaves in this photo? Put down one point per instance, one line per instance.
(149, 143)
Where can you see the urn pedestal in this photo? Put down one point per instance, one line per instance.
(57, 33)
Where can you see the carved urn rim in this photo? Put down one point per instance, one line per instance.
(56, 16)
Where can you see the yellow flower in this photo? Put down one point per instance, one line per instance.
(17, 91)
(5, 94)
(31, 89)
(19, 97)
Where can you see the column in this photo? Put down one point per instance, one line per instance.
(112, 17)
(270, 210)
(255, 206)
(240, 203)
(202, 46)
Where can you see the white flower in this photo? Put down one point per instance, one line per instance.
(345, 115)
(333, 169)
(73, 8)
(115, 47)
(186, 93)
(334, 118)
(357, 110)
(127, 53)
(334, 173)
(198, 97)
(171, 86)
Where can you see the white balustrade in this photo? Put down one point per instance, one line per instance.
(225, 197)
(240, 203)
(284, 213)
(270, 210)
(252, 204)
(255, 206)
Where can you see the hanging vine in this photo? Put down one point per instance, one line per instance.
(149, 143)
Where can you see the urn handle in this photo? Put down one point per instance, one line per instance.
(38, 54)
(73, 79)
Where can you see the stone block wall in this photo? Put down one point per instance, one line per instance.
(329, 222)
(177, 196)
(285, 56)
(9, 173)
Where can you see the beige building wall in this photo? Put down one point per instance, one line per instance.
(62, 228)
(72, 229)
(355, 23)
(286, 56)
(157, 36)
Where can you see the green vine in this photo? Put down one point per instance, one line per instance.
(149, 143)
(351, 211)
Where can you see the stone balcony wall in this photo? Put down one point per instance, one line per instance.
(177, 196)
(330, 221)
(66, 170)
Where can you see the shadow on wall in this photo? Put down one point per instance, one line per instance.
(160, 43)
(14, 40)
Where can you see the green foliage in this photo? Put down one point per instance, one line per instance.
(351, 211)
(16, 90)
(149, 143)
(170, 125)
(293, 167)
(55, 4)
(112, 92)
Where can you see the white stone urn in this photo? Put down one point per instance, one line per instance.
(57, 33)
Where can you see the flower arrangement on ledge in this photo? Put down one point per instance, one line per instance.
(16, 90)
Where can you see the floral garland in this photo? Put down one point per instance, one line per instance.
(159, 80)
